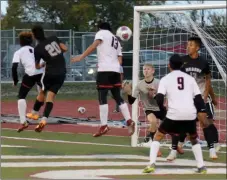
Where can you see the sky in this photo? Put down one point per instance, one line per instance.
(4, 4)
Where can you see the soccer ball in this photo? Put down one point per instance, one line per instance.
(81, 110)
(124, 33)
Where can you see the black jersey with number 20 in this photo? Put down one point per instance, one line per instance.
(49, 50)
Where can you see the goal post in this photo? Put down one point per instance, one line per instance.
(167, 31)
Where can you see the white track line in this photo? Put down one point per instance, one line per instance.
(3, 146)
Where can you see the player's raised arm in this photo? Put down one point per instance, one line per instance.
(16, 60)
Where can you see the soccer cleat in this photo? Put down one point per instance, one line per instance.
(172, 155)
(131, 126)
(217, 147)
(149, 169)
(202, 170)
(41, 126)
(32, 116)
(23, 127)
(180, 150)
(213, 154)
(102, 130)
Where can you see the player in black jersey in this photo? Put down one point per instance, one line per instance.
(51, 50)
(198, 67)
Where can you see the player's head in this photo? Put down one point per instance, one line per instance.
(25, 38)
(193, 45)
(148, 70)
(38, 32)
(104, 26)
(175, 62)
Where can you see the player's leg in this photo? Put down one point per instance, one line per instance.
(210, 117)
(124, 109)
(177, 145)
(166, 126)
(39, 102)
(152, 119)
(26, 85)
(53, 83)
(115, 80)
(208, 133)
(190, 128)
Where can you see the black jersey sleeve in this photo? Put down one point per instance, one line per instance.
(38, 55)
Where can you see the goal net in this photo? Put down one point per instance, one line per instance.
(160, 31)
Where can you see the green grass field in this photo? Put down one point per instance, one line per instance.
(82, 156)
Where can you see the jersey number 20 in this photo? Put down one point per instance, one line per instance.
(180, 82)
(53, 49)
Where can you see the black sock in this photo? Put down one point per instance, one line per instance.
(149, 136)
(175, 140)
(209, 136)
(37, 105)
(215, 133)
(47, 110)
(182, 137)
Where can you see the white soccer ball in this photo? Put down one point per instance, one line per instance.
(81, 110)
(124, 33)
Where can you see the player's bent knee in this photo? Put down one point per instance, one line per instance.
(151, 118)
(158, 136)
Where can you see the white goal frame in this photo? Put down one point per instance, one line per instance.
(136, 45)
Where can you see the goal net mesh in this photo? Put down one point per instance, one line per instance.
(165, 33)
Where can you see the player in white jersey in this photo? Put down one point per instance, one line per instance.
(185, 103)
(108, 76)
(25, 56)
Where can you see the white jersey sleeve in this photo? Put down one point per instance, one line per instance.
(119, 49)
(196, 89)
(16, 57)
(99, 36)
(162, 87)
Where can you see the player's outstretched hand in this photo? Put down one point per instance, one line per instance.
(76, 59)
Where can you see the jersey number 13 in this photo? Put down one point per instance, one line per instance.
(53, 49)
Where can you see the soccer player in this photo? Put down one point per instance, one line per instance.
(108, 76)
(25, 56)
(198, 67)
(185, 103)
(51, 50)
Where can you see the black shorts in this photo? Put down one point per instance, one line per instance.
(27, 84)
(210, 109)
(108, 80)
(52, 82)
(157, 114)
(172, 127)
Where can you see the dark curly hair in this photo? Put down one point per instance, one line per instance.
(25, 38)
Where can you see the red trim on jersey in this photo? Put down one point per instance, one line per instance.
(118, 84)
(25, 85)
(105, 86)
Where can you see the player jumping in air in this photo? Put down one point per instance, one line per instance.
(51, 50)
(185, 103)
(198, 67)
(108, 76)
(25, 56)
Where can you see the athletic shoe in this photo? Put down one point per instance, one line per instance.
(102, 130)
(32, 116)
(202, 170)
(131, 126)
(41, 126)
(149, 169)
(172, 155)
(23, 127)
(213, 154)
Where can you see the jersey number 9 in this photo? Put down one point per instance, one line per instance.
(53, 49)
(180, 82)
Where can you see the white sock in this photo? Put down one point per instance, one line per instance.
(154, 151)
(103, 112)
(197, 151)
(125, 111)
(22, 106)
